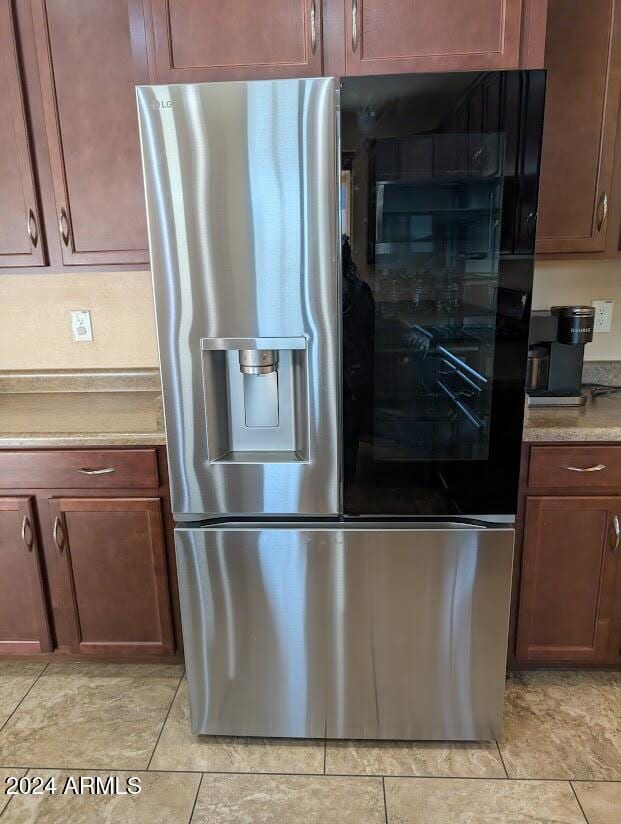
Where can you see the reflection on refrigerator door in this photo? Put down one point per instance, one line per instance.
(360, 631)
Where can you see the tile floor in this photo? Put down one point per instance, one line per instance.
(559, 758)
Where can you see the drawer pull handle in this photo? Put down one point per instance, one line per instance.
(596, 468)
(106, 470)
(57, 533)
(27, 533)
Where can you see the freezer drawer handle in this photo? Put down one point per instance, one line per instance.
(596, 468)
(106, 470)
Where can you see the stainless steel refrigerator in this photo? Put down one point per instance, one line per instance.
(342, 277)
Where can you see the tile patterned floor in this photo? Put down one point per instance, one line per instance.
(558, 760)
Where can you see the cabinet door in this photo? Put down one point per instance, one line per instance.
(386, 36)
(91, 55)
(583, 59)
(114, 570)
(23, 615)
(21, 243)
(568, 569)
(196, 40)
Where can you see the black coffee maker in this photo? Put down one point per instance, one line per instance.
(556, 355)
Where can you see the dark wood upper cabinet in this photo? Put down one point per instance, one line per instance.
(195, 41)
(384, 36)
(23, 616)
(569, 564)
(91, 55)
(21, 240)
(112, 553)
(583, 59)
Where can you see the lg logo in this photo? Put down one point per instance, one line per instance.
(161, 104)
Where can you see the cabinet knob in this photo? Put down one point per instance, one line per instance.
(32, 228)
(27, 533)
(57, 533)
(354, 25)
(313, 27)
(63, 226)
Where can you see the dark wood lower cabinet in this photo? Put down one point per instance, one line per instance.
(87, 563)
(113, 561)
(570, 560)
(23, 615)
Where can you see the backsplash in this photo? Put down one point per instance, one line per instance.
(35, 322)
(35, 328)
(580, 282)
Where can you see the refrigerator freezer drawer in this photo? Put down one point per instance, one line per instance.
(346, 631)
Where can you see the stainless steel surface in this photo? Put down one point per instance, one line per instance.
(32, 228)
(537, 368)
(27, 533)
(57, 534)
(217, 344)
(354, 25)
(63, 226)
(596, 468)
(553, 400)
(346, 630)
(313, 27)
(242, 195)
(602, 211)
(258, 361)
(105, 470)
(617, 528)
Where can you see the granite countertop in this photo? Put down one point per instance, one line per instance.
(598, 420)
(81, 408)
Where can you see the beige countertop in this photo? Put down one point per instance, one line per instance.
(81, 409)
(598, 420)
(124, 408)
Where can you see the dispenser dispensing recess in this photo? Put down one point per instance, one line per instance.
(256, 399)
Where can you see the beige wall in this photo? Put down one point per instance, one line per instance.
(35, 324)
(581, 281)
(35, 328)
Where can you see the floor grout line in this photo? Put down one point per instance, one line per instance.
(571, 784)
(115, 770)
(21, 700)
(385, 804)
(502, 760)
(164, 723)
(12, 797)
(200, 784)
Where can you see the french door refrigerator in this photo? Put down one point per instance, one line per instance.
(342, 275)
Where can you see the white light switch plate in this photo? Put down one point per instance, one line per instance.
(81, 329)
(603, 314)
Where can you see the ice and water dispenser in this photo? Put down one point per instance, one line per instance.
(256, 399)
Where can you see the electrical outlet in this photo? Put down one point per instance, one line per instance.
(603, 315)
(81, 329)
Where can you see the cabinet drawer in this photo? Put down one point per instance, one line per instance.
(575, 466)
(80, 469)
